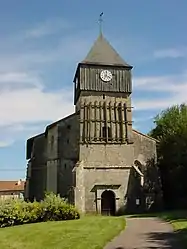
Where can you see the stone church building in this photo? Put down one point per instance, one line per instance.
(94, 157)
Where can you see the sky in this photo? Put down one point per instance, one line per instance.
(41, 43)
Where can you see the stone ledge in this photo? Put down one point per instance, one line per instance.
(107, 167)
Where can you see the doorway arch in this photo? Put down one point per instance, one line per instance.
(108, 203)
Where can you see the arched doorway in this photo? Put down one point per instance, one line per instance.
(108, 203)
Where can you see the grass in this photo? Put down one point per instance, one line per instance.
(91, 232)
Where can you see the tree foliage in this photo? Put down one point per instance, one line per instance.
(171, 132)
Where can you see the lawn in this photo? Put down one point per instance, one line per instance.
(91, 232)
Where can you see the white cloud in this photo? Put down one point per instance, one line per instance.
(22, 110)
(167, 83)
(16, 132)
(172, 89)
(11, 80)
(16, 77)
(48, 27)
(30, 102)
(69, 49)
(33, 104)
(171, 53)
(6, 143)
(25, 100)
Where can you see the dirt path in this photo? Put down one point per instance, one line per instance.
(145, 233)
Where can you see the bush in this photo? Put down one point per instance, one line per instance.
(56, 208)
(52, 208)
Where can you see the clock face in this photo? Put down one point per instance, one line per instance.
(106, 75)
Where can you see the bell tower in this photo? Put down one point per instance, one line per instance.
(102, 95)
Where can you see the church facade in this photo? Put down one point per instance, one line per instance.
(94, 157)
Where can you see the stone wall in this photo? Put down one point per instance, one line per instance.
(98, 180)
(145, 155)
(109, 166)
(68, 153)
(106, 154)
(52, 157)
(37, 171)
(144, 147)
(104, 166)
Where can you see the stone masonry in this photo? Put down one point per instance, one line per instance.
(94, 157)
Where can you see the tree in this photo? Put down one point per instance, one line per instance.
(171, 131)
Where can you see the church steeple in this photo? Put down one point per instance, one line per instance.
(102, 60)
(102, 53)
(103, 87)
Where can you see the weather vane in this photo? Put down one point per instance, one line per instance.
(100, 22)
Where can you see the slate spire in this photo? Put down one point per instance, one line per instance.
(103, 53)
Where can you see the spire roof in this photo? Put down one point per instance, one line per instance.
(103, 53)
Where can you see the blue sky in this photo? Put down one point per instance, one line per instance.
(42, 41)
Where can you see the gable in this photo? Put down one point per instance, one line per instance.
(144, 135)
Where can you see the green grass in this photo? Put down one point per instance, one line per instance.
(91, 232)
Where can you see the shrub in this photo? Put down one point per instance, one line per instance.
(56, 208)
(52, 208)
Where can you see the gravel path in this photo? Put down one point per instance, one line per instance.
(145, 233)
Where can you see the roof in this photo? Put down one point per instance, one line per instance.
(151, 138)
(60, 120)
(103, 53)
(12, 185)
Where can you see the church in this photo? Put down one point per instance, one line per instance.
(93, 157)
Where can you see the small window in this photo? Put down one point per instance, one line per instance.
(104, 133)
(69, 127)
(52, 142)
(103, 96)
(67, 141)
(65, 165)
(107, 133)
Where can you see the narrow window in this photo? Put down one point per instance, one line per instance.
(52, 142)
(103, 96)
(69, 127)
(104, 133)
(65, 165)
(107, 133)
(67, 141)
(120, 122)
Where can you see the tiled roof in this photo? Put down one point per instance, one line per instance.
(11, 185)
(103, 53)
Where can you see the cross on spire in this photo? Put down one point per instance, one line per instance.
(100, 22)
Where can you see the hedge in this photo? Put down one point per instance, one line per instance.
(52, 208)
